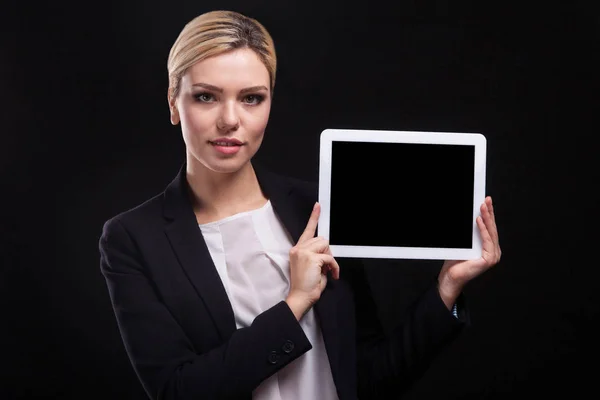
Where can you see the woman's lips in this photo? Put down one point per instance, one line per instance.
(226, 147)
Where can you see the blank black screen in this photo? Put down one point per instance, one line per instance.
(402, 194)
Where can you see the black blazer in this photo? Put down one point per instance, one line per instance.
(178, 326)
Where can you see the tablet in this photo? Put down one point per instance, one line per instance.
(401, 194)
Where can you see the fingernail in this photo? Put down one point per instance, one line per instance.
(315, 206)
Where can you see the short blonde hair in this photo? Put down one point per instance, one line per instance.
(214, 33)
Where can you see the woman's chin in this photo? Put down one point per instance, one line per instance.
(225, 166)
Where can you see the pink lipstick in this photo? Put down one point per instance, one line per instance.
(226, 145)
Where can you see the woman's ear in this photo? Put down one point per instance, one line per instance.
(173, 107)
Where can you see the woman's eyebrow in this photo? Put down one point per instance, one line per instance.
(254, 89)
(219, 90)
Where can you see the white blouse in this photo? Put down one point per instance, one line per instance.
(251, 253)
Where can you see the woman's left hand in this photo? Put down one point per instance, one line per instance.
(455, 274)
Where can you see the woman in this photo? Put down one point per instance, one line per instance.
(219, 285)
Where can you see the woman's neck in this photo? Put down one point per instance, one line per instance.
(218, 195)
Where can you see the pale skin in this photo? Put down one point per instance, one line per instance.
(454, 275)
(228, 96)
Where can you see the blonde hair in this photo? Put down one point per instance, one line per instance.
(214, 33)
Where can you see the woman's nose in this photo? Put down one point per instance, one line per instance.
(229, 119)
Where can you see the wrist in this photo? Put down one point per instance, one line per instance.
(298, 305)
(448, 290)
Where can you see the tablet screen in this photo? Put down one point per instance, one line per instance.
(401, 194)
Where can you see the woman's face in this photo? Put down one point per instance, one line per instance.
(223, 106)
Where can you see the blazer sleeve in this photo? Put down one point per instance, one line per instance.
(389, 362)
(163, 356)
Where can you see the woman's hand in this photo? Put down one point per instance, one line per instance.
(310, 261)
(454, 275)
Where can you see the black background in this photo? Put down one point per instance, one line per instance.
(86, 134)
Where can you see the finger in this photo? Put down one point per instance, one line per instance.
(490, 206)
(490, 223)
(328, 264)
(488, 246)
(317, 245)
(331, 264)
(311, 226)
(322, 282)
(311, 244)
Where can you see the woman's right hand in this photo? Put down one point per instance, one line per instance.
(310, 262)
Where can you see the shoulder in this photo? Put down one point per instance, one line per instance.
(140, 217)
(300, 187)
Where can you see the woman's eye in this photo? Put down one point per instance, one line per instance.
(204, 97)
(253, 99)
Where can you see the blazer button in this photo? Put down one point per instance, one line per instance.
(288, 346)
(273, 357)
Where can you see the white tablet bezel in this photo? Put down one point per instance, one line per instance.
(478, 140)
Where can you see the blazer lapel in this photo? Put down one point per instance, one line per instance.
(294, 211)
(191, 250)
(193, 254)
(289, 208)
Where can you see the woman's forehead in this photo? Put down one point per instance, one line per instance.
(239, 67)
